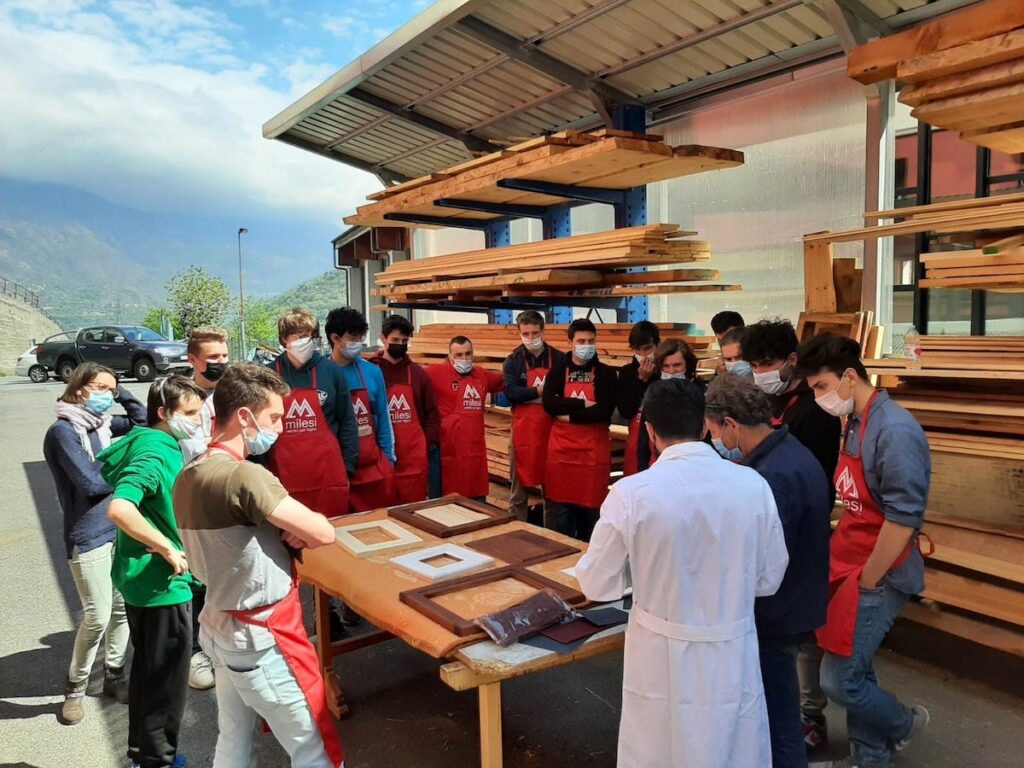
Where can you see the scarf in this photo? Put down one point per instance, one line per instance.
(85, 421)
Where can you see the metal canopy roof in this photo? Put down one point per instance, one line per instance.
(469, 76)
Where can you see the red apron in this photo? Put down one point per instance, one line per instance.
(411, 466)
(306, 457)
(531, 428)
(851, 546)
(373, 485)
(579, 455)
(285, 624)
(777, 421)
(463, 443)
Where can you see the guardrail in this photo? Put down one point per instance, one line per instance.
(23, 294)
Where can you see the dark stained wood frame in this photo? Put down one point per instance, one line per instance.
(557, 548)
(407, 514)
(422, 598)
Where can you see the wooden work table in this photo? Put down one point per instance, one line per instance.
(472, 662)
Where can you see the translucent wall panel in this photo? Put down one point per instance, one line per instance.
(804, 172)
(441, 242)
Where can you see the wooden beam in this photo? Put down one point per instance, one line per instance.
(962, 58)
(1004, 73)
(953, 205)
(819, 288)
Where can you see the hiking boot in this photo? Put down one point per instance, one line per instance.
(921, 719)
(74, 702)
(200, 673)
(115, 684)
(815, 731)
(349, 617)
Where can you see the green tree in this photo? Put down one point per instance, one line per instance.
(196, 298)
(157, 319)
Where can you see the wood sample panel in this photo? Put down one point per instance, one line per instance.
(373, 537)
(450, 515)
(445, 561)
(522, 547)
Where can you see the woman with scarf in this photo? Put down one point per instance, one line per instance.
(83, 428)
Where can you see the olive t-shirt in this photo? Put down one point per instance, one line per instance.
(222, 505)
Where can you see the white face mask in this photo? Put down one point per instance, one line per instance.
(534, 345)
(353, 349)
(463, 366)
(771, 383)
(302, 349)
(678, 375)
(183, 428)
(585, 352)
(832, 403)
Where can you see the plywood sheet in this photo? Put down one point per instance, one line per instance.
(451, 515)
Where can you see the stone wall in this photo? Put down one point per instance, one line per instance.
(19, 325)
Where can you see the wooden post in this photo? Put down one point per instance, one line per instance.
(490, 725)
(325, 652)
(819, 288)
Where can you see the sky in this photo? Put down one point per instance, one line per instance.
(159, 104)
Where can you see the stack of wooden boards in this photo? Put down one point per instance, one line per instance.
(493, 343)
(605, 159)
(832, 299)
(858, 326)
(965, 72)
(998, 266)
(585, 266)
(966, 392)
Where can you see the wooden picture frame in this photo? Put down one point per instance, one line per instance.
(422, 599)
(522, 547)
(399, 537)
(465, 560)
(412, 514)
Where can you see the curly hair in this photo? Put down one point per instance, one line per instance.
(738, 398)
(768, 340)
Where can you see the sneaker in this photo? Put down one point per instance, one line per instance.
(349, 617)
(338, 631)
(74, 702)
(921, 719)
(200, 674)
(815, 732)
(115, 684)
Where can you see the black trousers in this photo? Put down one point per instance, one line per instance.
(198, 601)
(782, 697)
(162, 638)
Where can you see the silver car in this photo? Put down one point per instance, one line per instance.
(27, 366)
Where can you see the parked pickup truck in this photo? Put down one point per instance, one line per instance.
(131, 349)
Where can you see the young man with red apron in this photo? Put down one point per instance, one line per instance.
(460, 388)
(581, 397)
(876, 564)
(238, 523)
(634, 377)
(525, 372)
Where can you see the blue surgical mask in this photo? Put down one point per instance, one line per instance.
(585, 352)
(353, 349)
(732, 454)
(463, 366)
(99, 402)
(740, 368)
(263, 441)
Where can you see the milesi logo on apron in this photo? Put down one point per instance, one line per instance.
(846, 488)
(300, 417)
(399, 408)
(362, 417)
(471, 398)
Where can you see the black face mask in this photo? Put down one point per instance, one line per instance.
(397, 351)
(214, 371)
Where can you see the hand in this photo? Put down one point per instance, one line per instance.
(865, 584)
(174, 558)
(720, 366)
(292, 540)
(589, 403)
(646, 370)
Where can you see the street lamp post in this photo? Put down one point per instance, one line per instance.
(241, 295)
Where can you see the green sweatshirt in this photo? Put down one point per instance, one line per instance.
(141, 468)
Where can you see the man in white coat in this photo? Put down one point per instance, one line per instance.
(699, 538)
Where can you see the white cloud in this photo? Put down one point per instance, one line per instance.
(146, 126)
(344, 26)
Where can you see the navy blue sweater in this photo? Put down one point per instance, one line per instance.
(804, 497)
(83, 493)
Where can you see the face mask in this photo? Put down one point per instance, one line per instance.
(99, 402)
(214, 371)
(585, 352)
(641, 359)
(353, 349)
(835, 405)
(534, 345)
(463, 366)
(397, 351)
(740, 368)
(183, 428)
(263, 441)
(771, 383)
(679, 375)
(731, 454)
(302, 349)
(193, 448)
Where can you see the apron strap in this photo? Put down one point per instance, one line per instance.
(694, 633)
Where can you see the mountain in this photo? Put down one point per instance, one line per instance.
(319, 295)
(92, 260)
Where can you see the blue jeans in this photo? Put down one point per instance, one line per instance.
(782, 697)
(576, 521)
(433, 472)
(875, 719)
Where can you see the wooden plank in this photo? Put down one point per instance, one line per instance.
(491, 755)
(975, 596)
(982, 109)
(998, 216)
(1005, 73)
(977, 631)
(975, 283)
(847, 279)
(1005, 244)
(956, 259)
(951, 205)
(979, 271)
(962, 58)
(879, 60)
(1008, 137)
(819, 288)
(652, 290)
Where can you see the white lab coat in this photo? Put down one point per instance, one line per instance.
(700, 538)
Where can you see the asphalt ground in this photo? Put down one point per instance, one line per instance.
(402, 714)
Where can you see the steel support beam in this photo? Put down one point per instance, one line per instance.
(385, 175)
(567, 191)
(502, 209)
(879, 195)
(440, 221)
(529, 54)
(852, 21)
(472, 143)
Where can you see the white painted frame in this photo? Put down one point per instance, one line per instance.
(403, 537)
(468, 560)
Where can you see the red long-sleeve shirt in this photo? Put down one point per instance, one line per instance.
(423, 392)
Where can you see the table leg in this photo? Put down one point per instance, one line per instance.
(490, 725)
(325, 652)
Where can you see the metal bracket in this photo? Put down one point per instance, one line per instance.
(502, 209)
(441, 221)
(852, 21)
(566, 191)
